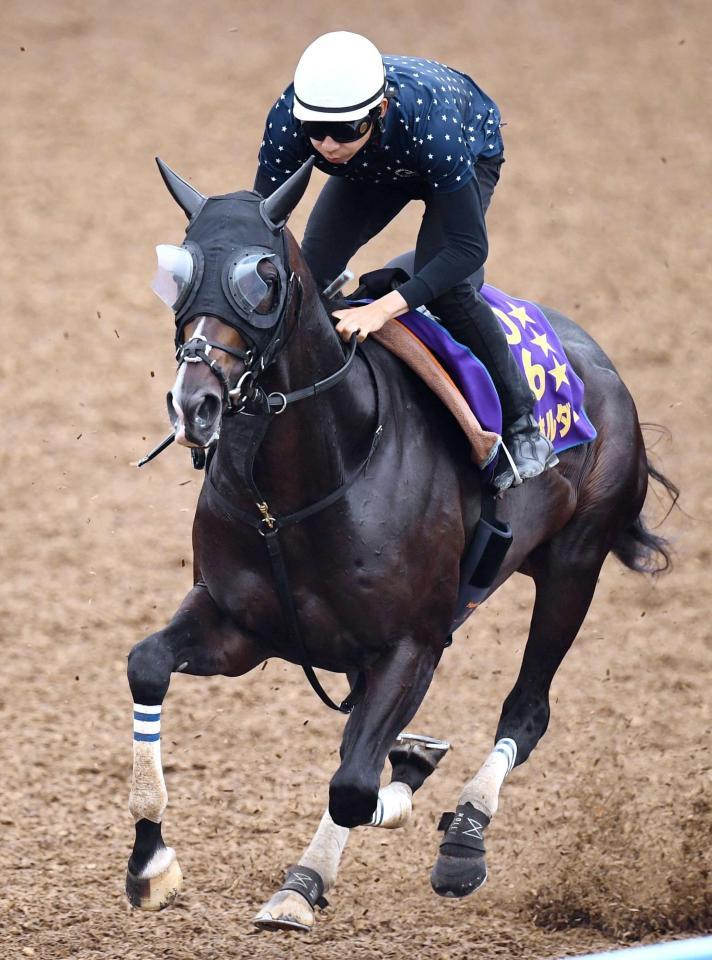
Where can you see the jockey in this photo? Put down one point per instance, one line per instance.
(388, 130)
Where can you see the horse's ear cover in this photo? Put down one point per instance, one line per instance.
(187, 197)
(276, 209)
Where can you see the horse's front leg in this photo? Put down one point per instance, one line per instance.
(394, 689)
(413, 758)
(199, 641)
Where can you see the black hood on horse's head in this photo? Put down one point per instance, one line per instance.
(229, 237)
(226, 232)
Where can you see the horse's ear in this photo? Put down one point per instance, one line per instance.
(277, 208)
(185, 196)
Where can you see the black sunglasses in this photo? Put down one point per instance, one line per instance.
(342, 131)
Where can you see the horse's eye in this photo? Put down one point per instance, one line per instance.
(268, 272)
(254, 284)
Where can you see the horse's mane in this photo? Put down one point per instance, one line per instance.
(337, 302)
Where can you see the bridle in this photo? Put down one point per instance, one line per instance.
(197, 349)
(247, 390)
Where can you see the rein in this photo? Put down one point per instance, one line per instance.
(249, 400)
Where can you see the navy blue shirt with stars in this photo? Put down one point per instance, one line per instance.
(439, 123)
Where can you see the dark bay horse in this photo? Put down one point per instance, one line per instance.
(372, 571)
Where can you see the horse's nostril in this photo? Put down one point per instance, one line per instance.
(172, 415)
(207, 410)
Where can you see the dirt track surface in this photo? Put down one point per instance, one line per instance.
(604, 212)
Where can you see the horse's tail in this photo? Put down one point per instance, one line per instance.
(640, 549)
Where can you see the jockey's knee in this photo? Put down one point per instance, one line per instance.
(149, 669)
(457, 308)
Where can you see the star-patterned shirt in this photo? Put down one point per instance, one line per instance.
(438, 123)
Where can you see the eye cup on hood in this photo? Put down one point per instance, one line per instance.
(248, 289)
(175, 273)
(245, 282)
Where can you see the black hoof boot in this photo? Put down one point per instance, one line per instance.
(460, 868)
(414, 757)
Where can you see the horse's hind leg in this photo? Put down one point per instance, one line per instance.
(197, 641)
(565, 572)
(413, 758)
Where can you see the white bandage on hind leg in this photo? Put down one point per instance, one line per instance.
(148, 798)
(394, 806)
(324, 852)
(483, 790)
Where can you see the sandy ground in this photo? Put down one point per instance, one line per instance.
(604, 212)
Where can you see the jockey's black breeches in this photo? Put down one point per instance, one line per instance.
(348, 214)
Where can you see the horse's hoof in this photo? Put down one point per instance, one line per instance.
(414, 757)
(287, 910)
(460, 868)
(157, 891)
(458, 876)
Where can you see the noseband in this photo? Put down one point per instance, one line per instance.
(198, 349)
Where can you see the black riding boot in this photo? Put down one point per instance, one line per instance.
(530, 453)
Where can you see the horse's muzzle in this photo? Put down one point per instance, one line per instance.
(197, 420)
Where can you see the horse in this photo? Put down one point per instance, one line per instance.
(338, 501)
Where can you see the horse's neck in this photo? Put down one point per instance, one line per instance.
(313, 349)
(311, 448)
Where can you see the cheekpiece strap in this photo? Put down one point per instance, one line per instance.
(309, 883)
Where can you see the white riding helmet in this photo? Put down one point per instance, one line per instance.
(340, 76)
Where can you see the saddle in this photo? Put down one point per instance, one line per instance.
(462, 382)
(401, 338)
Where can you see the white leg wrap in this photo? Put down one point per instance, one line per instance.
(148, 798)
(324, 852)
(483, 790)
(394, 807)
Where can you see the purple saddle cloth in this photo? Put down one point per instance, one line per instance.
(541, 358)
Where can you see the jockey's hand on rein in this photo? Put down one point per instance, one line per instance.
(370, 317)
